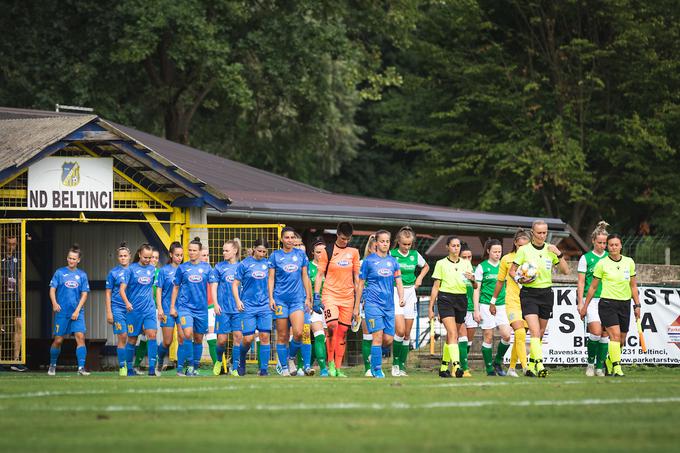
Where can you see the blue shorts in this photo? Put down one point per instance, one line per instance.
(170, 321)
(284, 309)
(138, 321)
(260, 321)
(64, 325)
(227, 323)
(308, 317)
(199, 322)
(378, 319)
(119, 320)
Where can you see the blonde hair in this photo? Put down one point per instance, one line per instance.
(369, 244)
(600, 229)
(405, 231)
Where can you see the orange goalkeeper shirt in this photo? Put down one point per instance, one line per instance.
(338, 286)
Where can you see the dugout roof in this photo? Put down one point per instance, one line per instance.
(263, 196)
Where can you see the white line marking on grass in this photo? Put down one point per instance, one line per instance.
(46, 394)
(346, 405)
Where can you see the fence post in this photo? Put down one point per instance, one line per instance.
(668, 256)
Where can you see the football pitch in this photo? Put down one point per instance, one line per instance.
(566, 411)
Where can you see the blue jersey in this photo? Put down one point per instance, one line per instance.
(288, 285)
(253, 275)
(165, 280)
(70, 284)
(193, 281)
(113, 281)
(223, 274)
(379, 274)
(139, 281)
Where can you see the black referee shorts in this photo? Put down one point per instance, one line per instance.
(452, 305)
(536, 301)
(614, 313)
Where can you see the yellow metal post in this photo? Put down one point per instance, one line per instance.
(23, 292)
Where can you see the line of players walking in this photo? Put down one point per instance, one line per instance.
(314, 303)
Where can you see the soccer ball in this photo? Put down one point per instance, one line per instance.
(527, 272)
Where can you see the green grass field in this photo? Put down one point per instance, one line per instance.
(566, 411)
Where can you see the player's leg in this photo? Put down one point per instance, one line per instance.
(535, 351)
(504, 330)
(366, 342)
(340, 337)
(152, 346)
(405, 345)
(519, 349)
(81, 349)
(451, 355)
(120, 332)
(488, 324)
(400, 331)
(330, 313)
(297, 325)
(61, 324)
(463, 349)
(282, 341)
(264, 327)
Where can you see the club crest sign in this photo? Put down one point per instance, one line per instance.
(71, 184)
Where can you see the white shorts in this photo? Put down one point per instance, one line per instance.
(317, 317)
(490, 321)
(408, 311)
(592, 314)
(362, 315)
(470, 322)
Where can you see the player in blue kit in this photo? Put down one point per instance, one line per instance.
(136, 290)
(380, 274)
(191, 307)
(115, 307)
(253, 300)
(227, 316)
(290, 296)
(165, 283)
(69, 288)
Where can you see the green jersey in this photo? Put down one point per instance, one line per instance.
(470, 296)
(542, 259)
(450, 275)
(486, 276)
(312, 270)
(586, 265)
(615, 277)
(407, 265)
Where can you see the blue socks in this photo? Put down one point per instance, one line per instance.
(282, 353)
(180, 357)
(306, 354)
(81, 354)
(152, 351)
(54, 355)
(294, 348)
(130, 355)
(120, 352)
(376, 357)
(219, 351)
(198, 353)
(265, 350)
(189, 352)
(243, 354)
(235, 357)
(162, 352)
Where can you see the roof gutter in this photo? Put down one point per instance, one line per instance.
(281, 217)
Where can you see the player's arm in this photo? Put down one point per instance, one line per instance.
(123, 295)
(109, 312)
(580, 289)
(270, 288)
(357, 297)
(237, 297)
(636, 296)
(423, 272)
(562, 264)
(591, 292)
(53, 297)
(81, 304)
(307, 283)
(159, 302)
(400, 288)
(433, 297)
(173, 300)
(216, 305)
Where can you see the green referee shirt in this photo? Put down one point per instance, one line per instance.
(450, 275)
(615, 277)
(542, 258)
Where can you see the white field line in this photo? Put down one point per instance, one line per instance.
(347, 405)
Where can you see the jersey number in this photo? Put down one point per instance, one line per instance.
(131, 328)
(372, 323)
(327, 314)
(279, 310)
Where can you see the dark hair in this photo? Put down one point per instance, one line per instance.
(123, 246)
(171, 250)
(261, 242)
(197, 241)
(520, 233)
(75, 248)
(318, 241)
(614, 236)
(488, 244)
(464, 247)
(144, 246)
(285, 230)
(154, 249)
(453, 238)
(345, 228)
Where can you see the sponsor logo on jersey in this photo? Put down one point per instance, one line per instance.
(71, 284)
(343, 263)
(290, 267)
(259, 275)
(195, 278)
(228, 278)
(384, 272)
(143, 280)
